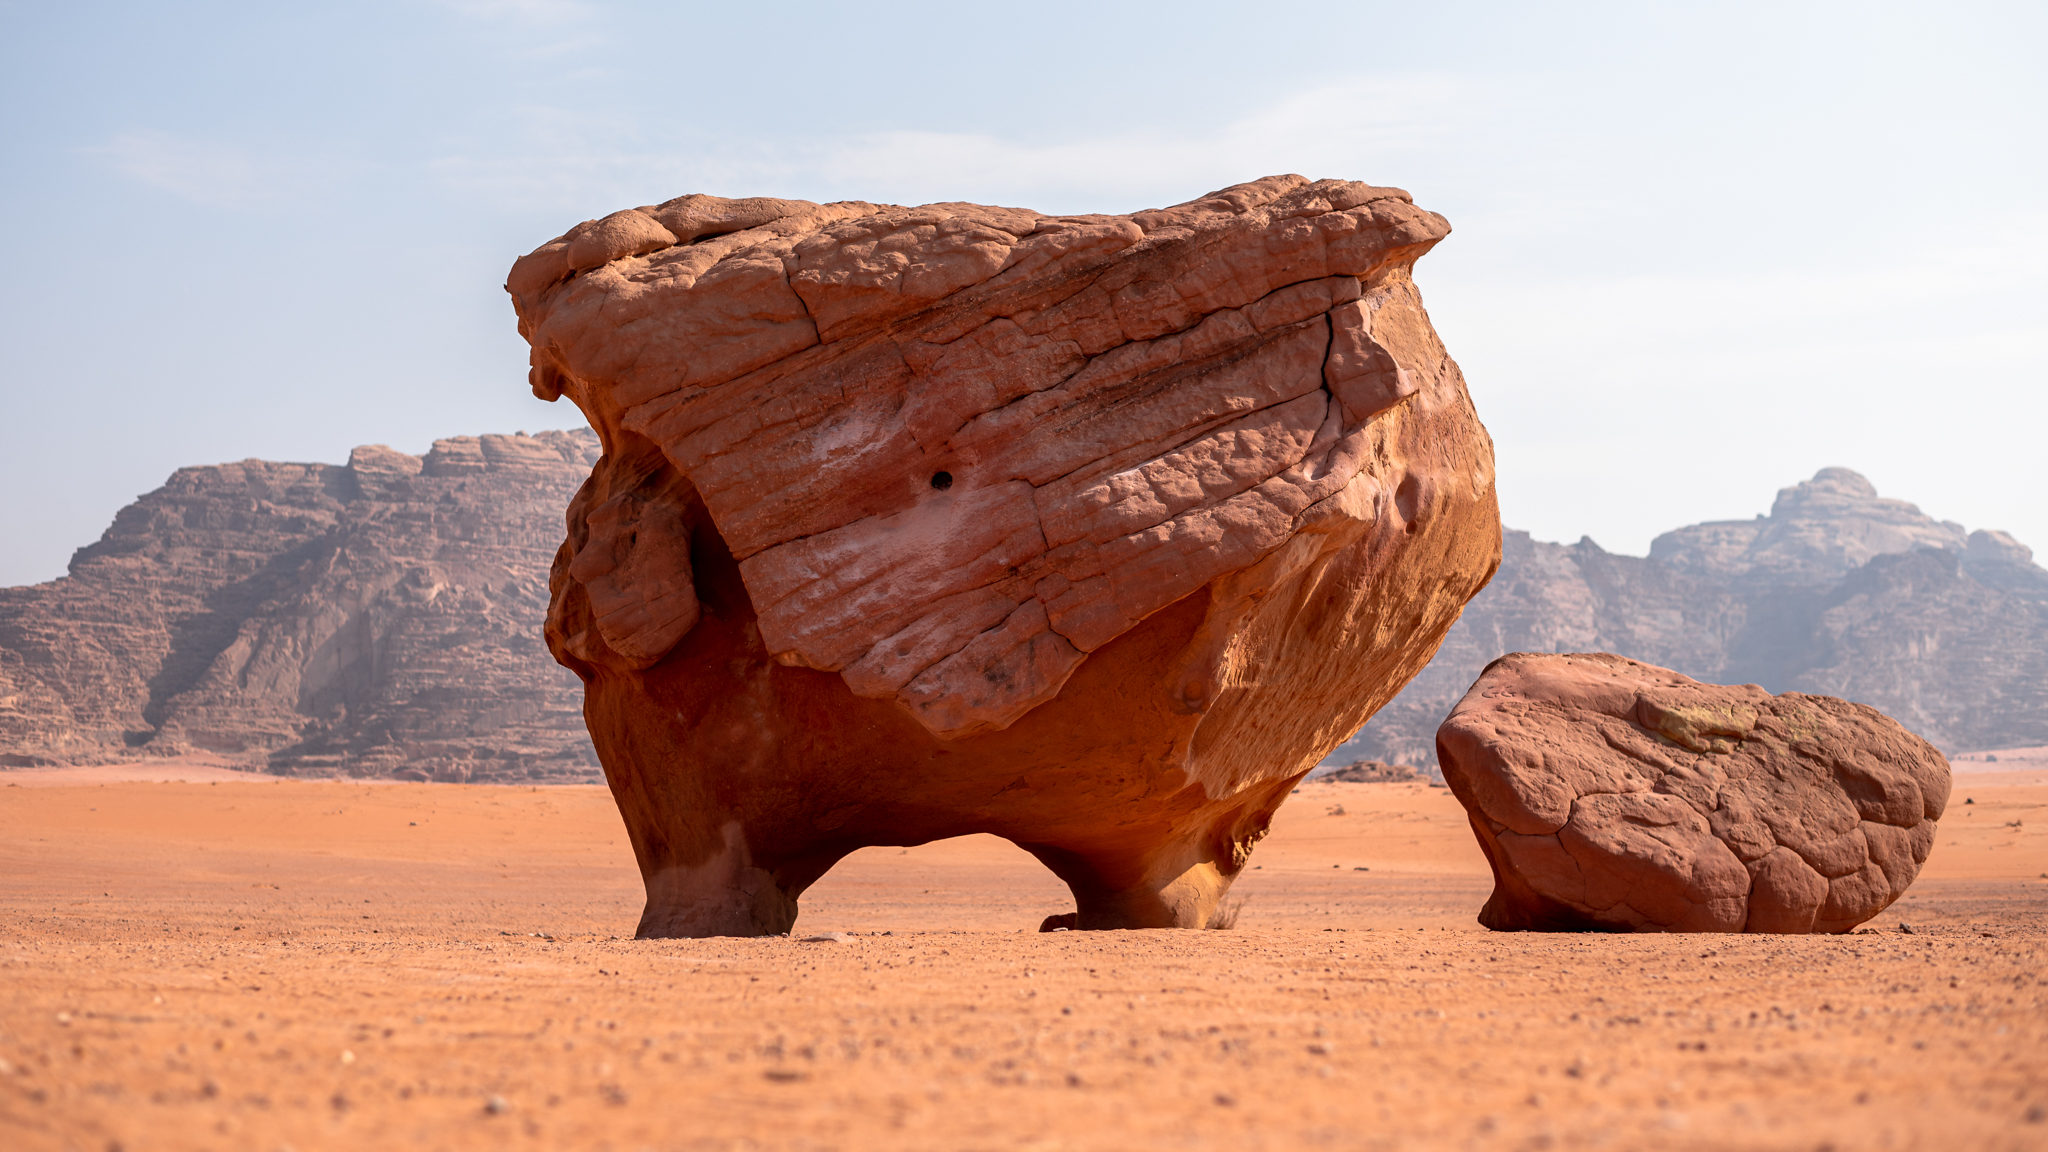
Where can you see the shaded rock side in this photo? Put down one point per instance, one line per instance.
(1837, 592)
(1093, 532)
(378, 618)
(1614, 795)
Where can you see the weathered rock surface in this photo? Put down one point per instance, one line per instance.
(1610, 794)
(1838, 591)
(379, 618)
(1093, 532)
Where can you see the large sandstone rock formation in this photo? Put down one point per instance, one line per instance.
(378, 618)
(1838, 591)
(1609, 794)
(1092, 532)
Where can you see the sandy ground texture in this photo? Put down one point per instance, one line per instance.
(230, 964)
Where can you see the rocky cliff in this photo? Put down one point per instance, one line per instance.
(379, 618)
(1837, 591)
(385, 618)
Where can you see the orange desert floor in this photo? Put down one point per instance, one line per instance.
(234, 964)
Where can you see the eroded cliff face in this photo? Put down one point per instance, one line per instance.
(378, 618)
(1838, 591)
(1093, 532)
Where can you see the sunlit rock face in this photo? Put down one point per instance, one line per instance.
(1837, 592)
(1091, 532)
(1614, 795)
(372, 619)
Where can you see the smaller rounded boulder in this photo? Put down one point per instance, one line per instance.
(1612, 795)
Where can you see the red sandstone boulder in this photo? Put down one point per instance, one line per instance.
(1092, 532)
(1609, 794)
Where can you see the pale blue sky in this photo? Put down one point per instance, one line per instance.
(1700, 250)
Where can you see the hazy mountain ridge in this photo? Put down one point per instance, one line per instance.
(1837, 591)
(381, 617)
(384, 617)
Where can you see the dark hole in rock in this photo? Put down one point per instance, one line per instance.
(942, 480)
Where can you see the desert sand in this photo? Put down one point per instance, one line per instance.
(226, 963)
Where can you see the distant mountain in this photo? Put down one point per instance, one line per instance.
(1838, 591)
(383, 618)
(379, 618)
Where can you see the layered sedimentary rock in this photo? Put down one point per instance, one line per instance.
(379, 618)
(1837, 591)
(1092, 532)
(1610, 794)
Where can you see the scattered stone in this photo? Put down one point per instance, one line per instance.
(960, 518)
(1610, 794)
(1372, 772)
(497, 1106)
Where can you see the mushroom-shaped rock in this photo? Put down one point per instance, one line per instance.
(1614, 795)
(1091, 532)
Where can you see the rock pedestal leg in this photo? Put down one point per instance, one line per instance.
(727, 895)
(1135, 893)
(1173, 881)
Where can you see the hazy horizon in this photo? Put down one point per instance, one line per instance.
(1699, 253)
